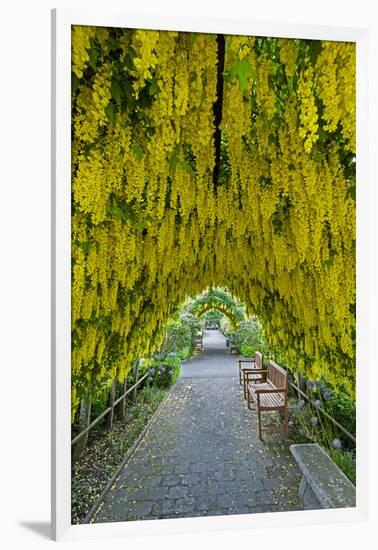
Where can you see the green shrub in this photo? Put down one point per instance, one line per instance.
(193, 324)
(247, 350)
(184, 353)
(248, 338)
(164, 372)
(343, 409)
(99, 399)
(346, 461)
(180, 336)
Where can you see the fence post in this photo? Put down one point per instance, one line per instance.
(298, 384)
(136, 371)
(84, 421)
(123, 407)
(109, 421)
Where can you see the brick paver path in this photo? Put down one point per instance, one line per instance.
(201, 455)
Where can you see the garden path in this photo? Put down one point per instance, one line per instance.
(201, 455)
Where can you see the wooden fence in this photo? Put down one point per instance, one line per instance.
(324, 413)
(109, 411)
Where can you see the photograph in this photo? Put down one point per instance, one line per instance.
(213, 274)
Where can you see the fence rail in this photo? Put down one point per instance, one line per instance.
(108, 410)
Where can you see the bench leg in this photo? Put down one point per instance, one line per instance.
(250, 402)
(308, 497)
(245, 390)
(248, 397)
(259, 421)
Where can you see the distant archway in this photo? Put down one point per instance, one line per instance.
(221, 301)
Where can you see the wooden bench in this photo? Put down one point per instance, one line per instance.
(233, 349)
(199, 341)
(249, 365)
(323, 484)
(269, 395)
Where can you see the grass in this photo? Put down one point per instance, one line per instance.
(105, 451)
(346, 461)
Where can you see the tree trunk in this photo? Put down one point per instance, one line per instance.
(84, 420)
(121, 408)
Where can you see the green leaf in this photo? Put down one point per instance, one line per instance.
(277, 224)
(150, 131)
(75, 81)
(314, 49)
(116, 91)
(186, 166)
(93, 56)
(138, 151)
(127, 90)
(273, 139)
(192, 76)
(265, 181)
(173, 162)
(153, 88)
(352, 191)
(241, 72)
(110, 112)
(129, 58)
(112, 42)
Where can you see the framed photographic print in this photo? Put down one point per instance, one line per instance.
(210, 296)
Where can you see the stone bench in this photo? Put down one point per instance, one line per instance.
(323, 484)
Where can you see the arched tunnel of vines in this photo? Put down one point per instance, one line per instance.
(200, 160)
(213, 182)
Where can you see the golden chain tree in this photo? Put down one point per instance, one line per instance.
(149, 223)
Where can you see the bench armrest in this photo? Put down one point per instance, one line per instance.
(247, 370)
(248, 373)
(258, 371)
(273, 390)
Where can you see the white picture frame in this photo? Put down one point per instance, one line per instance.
(61, 272)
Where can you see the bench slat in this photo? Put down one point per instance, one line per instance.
(267, 400)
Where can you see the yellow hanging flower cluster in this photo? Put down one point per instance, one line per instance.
(145, 60)
(91, 104)
(149, 224)
(288, 55)
(308, 115)
(81, 42)
(335, 68)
